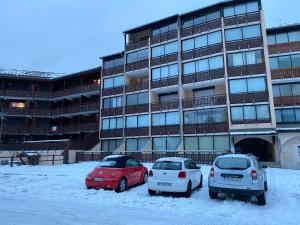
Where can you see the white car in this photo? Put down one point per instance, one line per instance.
(173, 174)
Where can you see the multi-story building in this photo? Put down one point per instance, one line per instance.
(197, 82)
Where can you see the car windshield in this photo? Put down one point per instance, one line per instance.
(232, 163)
(167, 165)
(110, 163)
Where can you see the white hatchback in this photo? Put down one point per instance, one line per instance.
(173, 174)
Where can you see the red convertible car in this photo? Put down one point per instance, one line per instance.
(117, 172)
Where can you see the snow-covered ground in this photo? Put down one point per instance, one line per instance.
(57, 195)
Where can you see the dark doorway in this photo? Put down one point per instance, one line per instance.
(262, 149)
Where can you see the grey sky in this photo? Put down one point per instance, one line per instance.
(70, 35)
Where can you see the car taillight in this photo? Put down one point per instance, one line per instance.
(182, 174)
(89, 178)
(150, 173)
(212, 172)
(254, 174)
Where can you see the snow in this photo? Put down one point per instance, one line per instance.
(57, 195)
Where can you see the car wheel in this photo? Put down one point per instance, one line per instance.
(266, 185)
(201, 182)
(151, 192)
(122, 185)
(188, 192)
(213, 195)
(261, 199)
(145, 178)
(88, 187)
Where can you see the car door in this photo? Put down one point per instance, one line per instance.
(196, 173)
(191, 172)
(134, 170)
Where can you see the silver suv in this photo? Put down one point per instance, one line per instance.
(238, 174)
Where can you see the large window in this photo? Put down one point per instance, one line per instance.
(201, 19)
(112, 123)
(164, 72)
(253, 112)
(112, 102)
(285, 62)
(203, 65)
(110, 145)
(162, 119)
(113, 82)
(165, 143)
(245, 58)
(202, 41)
(164, 29)
(286, 37)
(137, 56)
(207, 143)
(257, 84)
(136, 144)
(286, 89)
(287, 115)
(243, 33)
(164, 49)
(137, 121)
(136, 99)
(113, 63)
(241, 9)
(204, 116)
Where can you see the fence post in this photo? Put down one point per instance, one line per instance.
(11, 160)
(92, 156)
(53, 160)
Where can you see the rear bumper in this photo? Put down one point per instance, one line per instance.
(176, 186)
(103, 184)
(236, 191)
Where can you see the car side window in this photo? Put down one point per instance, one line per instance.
(132, 163)
(193, 165)
(187, 164)
(256, 164)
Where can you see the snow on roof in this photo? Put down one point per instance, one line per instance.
(264, 132)
(113, 156)
(234, 156)
(176, 159)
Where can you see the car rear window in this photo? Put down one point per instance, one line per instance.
(110, 163)
(232, 163)
(167, 165)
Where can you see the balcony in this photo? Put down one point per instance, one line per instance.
(165, 105)
(164, 37)
(164, 59)
(26, 112)
(247, 70)
(77, 128)
(137, 65)
(168, 81)
(111, 133)
(204, 101)
(241, 19)
(285, 73)
(93, 87)
(201, 52)
(165, 130)
(254, 121)
(25, 94)
(244, 44)
(203, 76)
(139, 131)
(113, 71)
(76, 109)
(144, 85)
(112, 111)
(113, 91)
(287, 101)
(206, 128)
(249, 97)
(284, 48)
(212, 25)
(136, 45)
(131, 109)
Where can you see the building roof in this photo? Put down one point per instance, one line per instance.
(283, 28)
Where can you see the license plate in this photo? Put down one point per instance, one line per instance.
(232, 179)
(97, 179)
(163, 184)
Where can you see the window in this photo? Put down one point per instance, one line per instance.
(164, 29)
(165, 143)
(247, 85)
(245, 58)
(282, 38)
(110, 145)
(199, 93)
(257, 112)
(136, 144)
(243, 33)
(203, 116)
(112, 102)
(286, 37)
(241, 9)
(292, 89)
(165, 49)
(206, 143)
(285, 62)
(137, 121)
(137, 56)
(201, 19)
(137, 99)
(112, 123)
(287, 115)
(113, 82)
(162, 119)
(132, 163)
(113, 63)
(164, 72)
(203, 65)
(294, 36)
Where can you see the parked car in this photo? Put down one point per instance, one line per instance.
(238, 174)
(117, 172)
(174, 174)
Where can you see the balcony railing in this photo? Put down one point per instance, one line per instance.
(247, 70)
(113, 71)
(249, 97)
(82, 108)
(76, 90)
(244, 44)
(165, 130)
(285, 73)
(131, 109)
(168, 81)
(201, 28)
(205, 128)
(137, 65)
(139, 131)
(254, 121)
(164, 37)
(164, 59)
(111, 133)
(200, 52)
(90, 127)
(25, 112)
(240, 19)
(112, 111)
(169, 105)
(204, 101)
(113, 91)
(25, 94)
(136, 45)
(284, 47)
(144, 85)
(287, 101)
(203, 76)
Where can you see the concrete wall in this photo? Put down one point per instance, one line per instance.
(289, 150)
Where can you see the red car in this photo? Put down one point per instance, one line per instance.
(117, 172)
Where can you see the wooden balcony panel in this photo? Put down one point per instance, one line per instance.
(131, 109)
(201, 52)
(169, 81)
(136, 45)
(201, 28)
(90, 87)
(144, 85)
(241, 19)
(111, 133)
(113, 71)
(244, 44)
(164, 37)
(255, 121)
(165, 130)
(112, 111)
(113, 91)
(287, 101)
(284, 48)
(249, 97)
(247, 70)
(203, 76)
(206, 128)
(164, 59)
(139, 131)
(285, 73)
(204, 101)
(24, 94)
(165, 105)
(137, 65)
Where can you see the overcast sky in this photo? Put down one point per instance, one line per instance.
(70, 35)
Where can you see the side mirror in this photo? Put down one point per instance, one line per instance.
(264, 166)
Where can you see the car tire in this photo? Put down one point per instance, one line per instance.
(213, 195)
(266, 185)
(145, 178)
(151, 192)
(88, 187)
(122, 185)
(188, 192)
(201, 182)
(261, 199)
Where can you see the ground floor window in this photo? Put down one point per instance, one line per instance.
(110, 145)
(207, 143)
(136, 144)
(165, 143)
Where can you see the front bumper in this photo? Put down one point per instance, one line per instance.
(244, 192)
(176, 186)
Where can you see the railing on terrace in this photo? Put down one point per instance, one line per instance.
(240, 19)
(164, 37)
(169, 105)
(284, 47)
(165, 130)
(140, 86)
(287, 101)
(249, 97)
(244, 44)
(140, 108)
(137, 65)
(164, 59)
(203, 76)
(205, 27)
(201, 52)
(136, 45)
(215, 127)
(247, 70)
(285, 73)
(204, 101)
(168, 81)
